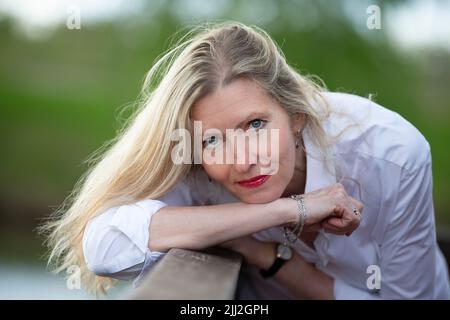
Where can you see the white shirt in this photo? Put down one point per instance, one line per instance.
(391, 160)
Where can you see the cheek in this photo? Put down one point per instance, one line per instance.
(217, 172)
(287, 154)
(278, 155)
(285, 147)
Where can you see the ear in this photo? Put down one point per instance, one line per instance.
(298, 121)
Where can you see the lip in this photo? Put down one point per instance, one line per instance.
(254, 182)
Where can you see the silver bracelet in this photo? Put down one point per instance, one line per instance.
(292, 236)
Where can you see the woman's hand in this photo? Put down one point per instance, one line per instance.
(330, 208)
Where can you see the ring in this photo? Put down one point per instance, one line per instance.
(356, 211)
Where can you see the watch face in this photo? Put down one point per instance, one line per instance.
(284, 252)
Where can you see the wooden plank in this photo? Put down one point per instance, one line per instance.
(185, 274)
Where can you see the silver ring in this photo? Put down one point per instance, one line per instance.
(356, 211)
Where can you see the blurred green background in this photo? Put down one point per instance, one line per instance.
(65, 92)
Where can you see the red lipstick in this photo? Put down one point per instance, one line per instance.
(254, 182)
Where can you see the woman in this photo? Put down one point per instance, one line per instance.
(337, 150)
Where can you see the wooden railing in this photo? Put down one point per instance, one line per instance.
(208, 274)
(184, 274)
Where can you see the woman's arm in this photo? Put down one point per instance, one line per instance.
(302, 279)
(116, 243)
(198, 227)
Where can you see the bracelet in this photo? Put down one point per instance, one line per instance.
(292, 236)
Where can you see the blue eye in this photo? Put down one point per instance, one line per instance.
(210, 141)
(257, 124)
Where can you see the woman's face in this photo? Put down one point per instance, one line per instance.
(246, 106)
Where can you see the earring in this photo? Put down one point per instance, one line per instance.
(299, 138)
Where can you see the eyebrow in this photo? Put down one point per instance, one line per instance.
(251, 116)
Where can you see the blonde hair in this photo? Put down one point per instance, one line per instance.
(136, 165)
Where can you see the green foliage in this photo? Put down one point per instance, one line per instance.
(61, 97)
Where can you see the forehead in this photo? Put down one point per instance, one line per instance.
(227, 106)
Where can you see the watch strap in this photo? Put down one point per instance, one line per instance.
(273, 269)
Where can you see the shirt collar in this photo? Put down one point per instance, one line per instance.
(317, 174)
(317, 177)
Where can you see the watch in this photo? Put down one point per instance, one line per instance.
(284, 253)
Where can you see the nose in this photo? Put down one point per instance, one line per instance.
(245, 156)
(243, 168)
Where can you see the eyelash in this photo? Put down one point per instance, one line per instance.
(263, 122)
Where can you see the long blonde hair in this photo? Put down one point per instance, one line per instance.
(136, 165)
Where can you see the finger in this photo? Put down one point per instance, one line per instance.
(358, 205)
(338, 211)
(338, 222)
(335, 229)
(333, 225)
(351, 217)
(342, 223)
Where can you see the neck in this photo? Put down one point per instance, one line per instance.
(298, 181)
